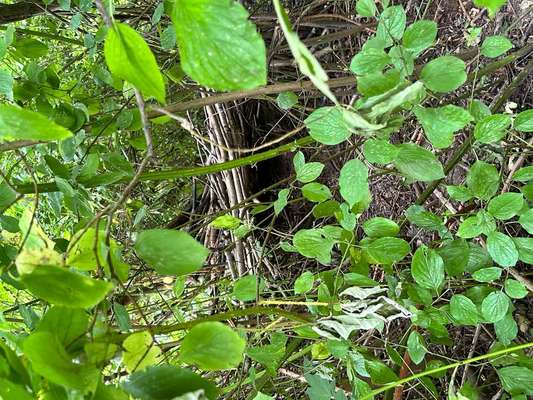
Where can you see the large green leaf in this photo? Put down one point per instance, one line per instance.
(170, 252)
(444, 74)
(128, 57)
(64, 287)
(369, 60)
(455, 255)
(494, 307)
(314, 243)
(441, 123)
(463, 310)
(212, 346)
(327, 125)
(506, 205)
(380, 151)
(524, 121)
(427, 268)
(387, 250)
(68, 324)
(492, 128)
(391, 24)
(417, 163)
(526, 220)
(380, 227)
(49, 358)
(420, 35)
(353, 182)
(524, 245)
(516, 379)
(506, 329)
(502, 249)
(483, 180)
(416, 347)
(19, 124)
(495, 46)
(163, 382)
(219, 46)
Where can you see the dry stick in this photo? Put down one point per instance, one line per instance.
(469, 141)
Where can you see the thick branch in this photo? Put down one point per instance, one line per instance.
(23, 10)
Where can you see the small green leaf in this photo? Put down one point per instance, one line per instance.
(463, 310)
(495, 46)
(441, 123)
(140, 351)
(226, 221)
(492, 5)
(170, 252)
(417, 163)
(470, 228)
(6, 84)
(459, 193)
(479, 110)
(494, 307)
(391, 24)
(377, 83)
(419, 36)
(427, 268)
(506, 206)
(270, 355)
(455, 254)
(524, 174)
(515, 289)
(416, 346)
(304, 283)
(19, 124)
(444, 74)
(327, 125)
(506, 329)
(212, 346)
(316, 192)
(487, 274)
(524, 121)
(128, 57)
(309, 172)
(483, 180)
(418, 216)
(387, 250)
(486, 222)
(281, 201)
(353, 182)
(366, 8)
(314, 243)
(287, 100)
(526, 220)
(525, 249)
(380, 151)
(502, 249)
(245, 288)
(380, 227)
(219, 46)
(492, 128)
(168, 38)
(368, 61)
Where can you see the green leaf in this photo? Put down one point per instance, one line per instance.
(163, 382)
(495, 46)
(486, 222)
(368, 61)
(455, 254)
(492, 128)
(470, 228)
(286, 100)
(444, 74)
(418, 216)
(403, 60)
(309, 172)
(316, 192)
(140, 351)
(7, 195)
(483, 180)
(314, 243)
(380, 151)
(377, 83)
(494, 307)
(506, 329)
(245, 288)
(412, 93)
(64, 287)
(492, 5)
(427, 268)
(170, 252)
(128, 57)
(10, 390)
(353, 182)
(67, 324)
(49, 358)
(327, 125)
(226, 221)
(380, 227)
(308, 64)
(19, 124)
(524, 121)
(416, 346)
(441, 123)
(304, 283)
(30, 48)
(502, 249)
(281, 201)
(219, 46)
(387, 250)
(459, 193)
(479, 110)
(380, 374)
(419, 36)
(526, 220)
(270, 355)
(168, 38)
(391, 24)
(417, 163)
(487, 274)
(463, 310)
(524, 174)
(506, 206)
(212, 346)
(366, 8)
(6, 84)
(525, 249)
(515, 289)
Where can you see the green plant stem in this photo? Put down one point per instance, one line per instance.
(186, 172)
(457, 156)
(241, 312)
(445, 368)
